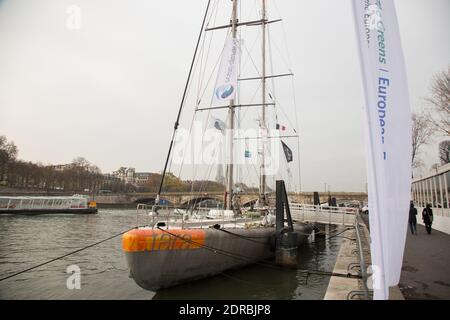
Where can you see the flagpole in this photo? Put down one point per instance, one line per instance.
(381, 292)
(262, 185)
(231, 113)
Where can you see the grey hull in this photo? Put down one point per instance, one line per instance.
(155, 270)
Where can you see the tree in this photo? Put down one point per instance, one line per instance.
(421, 135)
(8, 154)
(444, 152)
(440, 102)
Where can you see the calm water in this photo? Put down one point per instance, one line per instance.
(26, 241)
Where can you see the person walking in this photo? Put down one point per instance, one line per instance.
(412, 218)
(427, 216)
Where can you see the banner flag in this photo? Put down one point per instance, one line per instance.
(388, 137)
(226, 83)
(287, 152)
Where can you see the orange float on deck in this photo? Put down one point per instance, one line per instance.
(156, 240)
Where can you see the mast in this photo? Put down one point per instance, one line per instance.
(262, 173)
(231, 112)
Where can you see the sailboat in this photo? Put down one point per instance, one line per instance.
(165, 254)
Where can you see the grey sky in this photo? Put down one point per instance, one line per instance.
(110, 91)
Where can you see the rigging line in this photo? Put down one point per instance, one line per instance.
(251, 48)
(198, 61)
(259, 83)
(194, 173)
(273, 80)
(297, 125)
(189, 137)
(284, 34)
(210, 77)
(202, 185)
(205, 181)
(253, 61)
(183, 98)
(67, 254)
(192, 121)
(280, 107)
(203, 73)
(282, 57)
(252, 98)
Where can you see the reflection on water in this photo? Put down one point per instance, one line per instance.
(29, 240)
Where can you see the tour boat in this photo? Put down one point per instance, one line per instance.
(47, 205)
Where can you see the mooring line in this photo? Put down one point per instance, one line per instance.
(268, 265)
(66, 255)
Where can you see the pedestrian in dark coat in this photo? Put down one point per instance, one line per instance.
(412, 218)
(427, 216)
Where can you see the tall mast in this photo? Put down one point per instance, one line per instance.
(231, 113)
(262, 173)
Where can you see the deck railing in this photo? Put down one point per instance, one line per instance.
(323, 214)
(186, 218)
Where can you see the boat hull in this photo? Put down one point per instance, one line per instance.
(159, 259)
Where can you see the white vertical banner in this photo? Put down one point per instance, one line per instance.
(226, 83)
(388, 137)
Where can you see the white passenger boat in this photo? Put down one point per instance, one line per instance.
(47, 204)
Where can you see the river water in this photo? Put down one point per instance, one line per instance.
(26, 241)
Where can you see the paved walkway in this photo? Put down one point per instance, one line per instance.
(426, 265)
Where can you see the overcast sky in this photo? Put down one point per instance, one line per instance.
(110, 90)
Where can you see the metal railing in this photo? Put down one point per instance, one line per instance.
(186, 218)
(366, 293)
(323, 214)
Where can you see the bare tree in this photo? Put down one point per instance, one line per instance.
(421, 135)
(8, 154)
(440, 102)
(444, 152)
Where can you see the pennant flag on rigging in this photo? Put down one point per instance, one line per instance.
(287, 152)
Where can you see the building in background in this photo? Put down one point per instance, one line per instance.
(126, 175)
(129, 175)
(141, 178)
(434, 188)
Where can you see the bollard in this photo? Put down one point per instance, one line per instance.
(286, 249)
